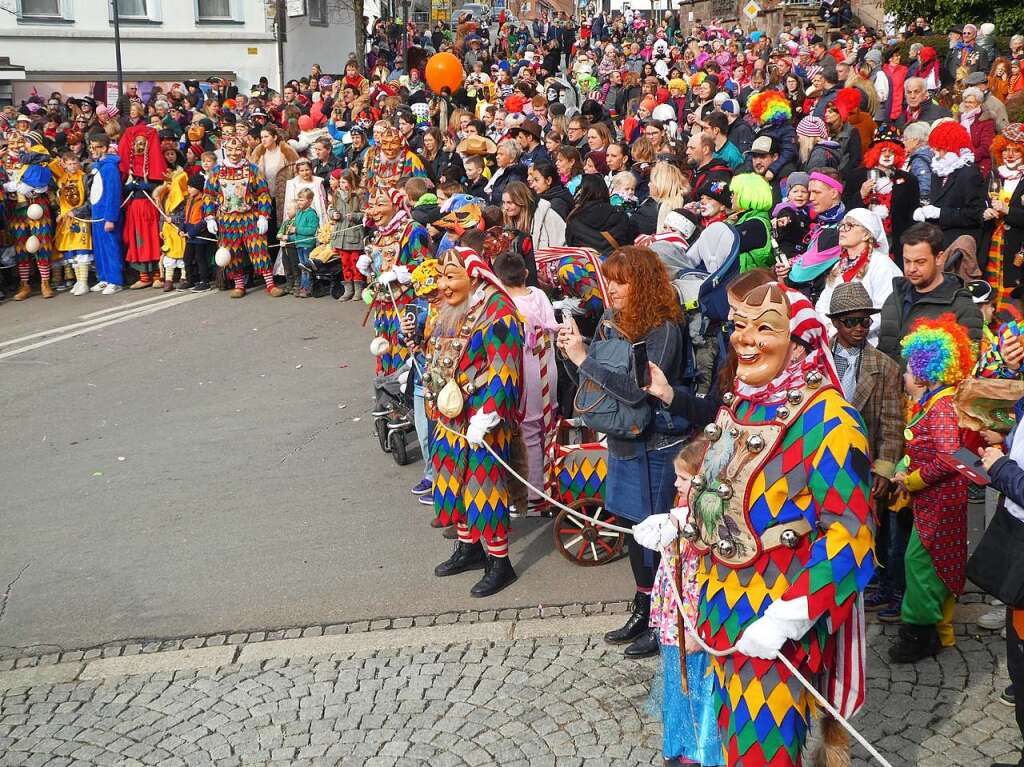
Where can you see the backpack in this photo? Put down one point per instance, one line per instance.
(599, 410)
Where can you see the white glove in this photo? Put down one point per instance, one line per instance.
(262, 224)
(211, 226)
(881, 211)
(402, 274)
(479, 425)
(784, 619)
(386, 278)
(11, 186)
(926, 213)
(26, 190)
(364, 264)
(656, 532)
(681, 514)
(569, 304)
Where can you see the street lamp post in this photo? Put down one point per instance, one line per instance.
(117, 49)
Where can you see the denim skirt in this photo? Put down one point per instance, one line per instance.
(642, 485)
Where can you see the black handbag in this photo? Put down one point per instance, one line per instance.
(997, 564)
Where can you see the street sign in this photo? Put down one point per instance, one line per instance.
(751, 9)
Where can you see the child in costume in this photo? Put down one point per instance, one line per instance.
(105, 204)
(938, 354)
(689, 706)
(73, 238)
(171, 197)
(199, 250)
(28, 173)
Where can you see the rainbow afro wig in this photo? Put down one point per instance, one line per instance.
(770, 107)
(938, 350)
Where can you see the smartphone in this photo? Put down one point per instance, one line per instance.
(559, 316)
(640, 370)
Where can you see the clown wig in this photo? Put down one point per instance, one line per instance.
(750, 192)
(770, 107)
(938, 350)
(847, 101)
(1012, 135)
(871, 156)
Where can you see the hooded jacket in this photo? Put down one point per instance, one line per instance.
(904, 307)
(585, 226)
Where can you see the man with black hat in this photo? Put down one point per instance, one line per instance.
(528, 136)
(872, 383)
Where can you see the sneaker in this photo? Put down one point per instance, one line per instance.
(111, 289)
(426, 500)
(60, 287)
(422, 487)
(890, 614)
(1007, 697)
(876, 600)
(98, 287)
(993, 620)
(199, 287)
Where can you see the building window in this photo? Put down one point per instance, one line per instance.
(136, 11)
(214, 9)
(317, 10)
(45, 10)
(132, 8)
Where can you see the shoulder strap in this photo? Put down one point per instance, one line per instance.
(611, 240)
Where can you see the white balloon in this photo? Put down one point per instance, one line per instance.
(32, 244)
(379, 346)
(35, 211)
(222, 257)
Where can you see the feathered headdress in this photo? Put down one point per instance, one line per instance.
(938, 350)
(770, 107)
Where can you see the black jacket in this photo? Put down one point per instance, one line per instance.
(645, 216)
(447, 166)
(900, 311)
(961, 200)
(741, 135)
(477, 188)
(584, 227)
(713, 171)
(560, 200)
(511, 173)
(930, 112)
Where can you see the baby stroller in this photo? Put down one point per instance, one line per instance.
(325, 272)
(392, 413)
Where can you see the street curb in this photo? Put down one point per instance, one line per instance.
(306, 647)
(971, 605)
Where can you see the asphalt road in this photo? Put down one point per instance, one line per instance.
(192, 464)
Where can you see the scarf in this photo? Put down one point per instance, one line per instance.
(850, 267)
(967, 118)
(1006, 173)
(847, 366)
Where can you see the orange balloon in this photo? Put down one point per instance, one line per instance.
(444, 70)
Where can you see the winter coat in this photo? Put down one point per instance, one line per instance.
(905, 199)
(899, 312)
(920, 167)
(548, 230)
(585, 226)
(560, 200)
(785, 139)
(446, 166)
(349, 212)
(284, 175)
(961, 199)
(825, 154)
(501, 178)
(982, 131)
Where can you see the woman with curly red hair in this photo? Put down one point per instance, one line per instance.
(1006, 212)
(642, 307)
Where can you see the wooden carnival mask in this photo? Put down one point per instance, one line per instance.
(760, 337)
(454, 281)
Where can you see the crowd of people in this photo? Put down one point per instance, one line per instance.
(816, 242)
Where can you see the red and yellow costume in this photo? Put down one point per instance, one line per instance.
(142, 169)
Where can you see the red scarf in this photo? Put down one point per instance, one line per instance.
(850, 267)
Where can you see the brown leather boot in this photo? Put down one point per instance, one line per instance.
(237, 293)
(45, 289)
(23, 292)
(276, 292)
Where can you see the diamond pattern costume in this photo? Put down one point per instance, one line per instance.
(30, 172)
(237, 197)
(486, 352)
(813, 479)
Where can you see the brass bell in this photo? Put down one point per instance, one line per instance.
(755, 443)
(728, 398)
(725, 548)
(713, 432)
(724, 491)
(782, 412)
(794, 396)
(789, 539)
(814, 379)
(470, 387)
(689, 532)
(697, 483)
(446, 361)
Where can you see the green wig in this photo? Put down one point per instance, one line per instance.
(751, 192)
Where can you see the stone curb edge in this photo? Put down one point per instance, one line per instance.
(12, 658)
(203, 658)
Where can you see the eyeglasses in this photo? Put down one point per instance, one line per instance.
(853, 322)
(847, 226)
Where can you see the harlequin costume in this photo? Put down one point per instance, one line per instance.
(389, 161)
(237, 208)
(780, 514)
(472, 384)
(400, 243)
(939, 353)
(142, 171)
(28, 174)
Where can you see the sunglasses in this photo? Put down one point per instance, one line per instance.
(853, 322)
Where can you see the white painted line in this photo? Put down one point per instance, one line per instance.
(91, 326)
(40, 676)
(120, 307)
(74, 325)
(155, 663)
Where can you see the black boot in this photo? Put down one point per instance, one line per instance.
(645, 646)
(915, 643)
(497, 575)
(466, 556)
(637, 623)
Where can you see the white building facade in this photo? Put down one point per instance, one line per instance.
(68, 45)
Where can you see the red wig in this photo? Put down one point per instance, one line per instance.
(871, 156)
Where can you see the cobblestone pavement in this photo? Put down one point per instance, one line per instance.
(407, 697)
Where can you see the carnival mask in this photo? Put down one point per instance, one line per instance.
(760, 335)
(234, 150)
(381, 209)
(454, 281)
(390, 142)
(196, 133)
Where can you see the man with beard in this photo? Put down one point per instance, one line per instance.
(473, 383)
(237, 211)
(399, 246)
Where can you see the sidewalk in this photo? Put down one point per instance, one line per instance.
(516, 693)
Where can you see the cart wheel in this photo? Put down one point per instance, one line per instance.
(396, 444)
(584, 543)
(380, 425)
(337, 288)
